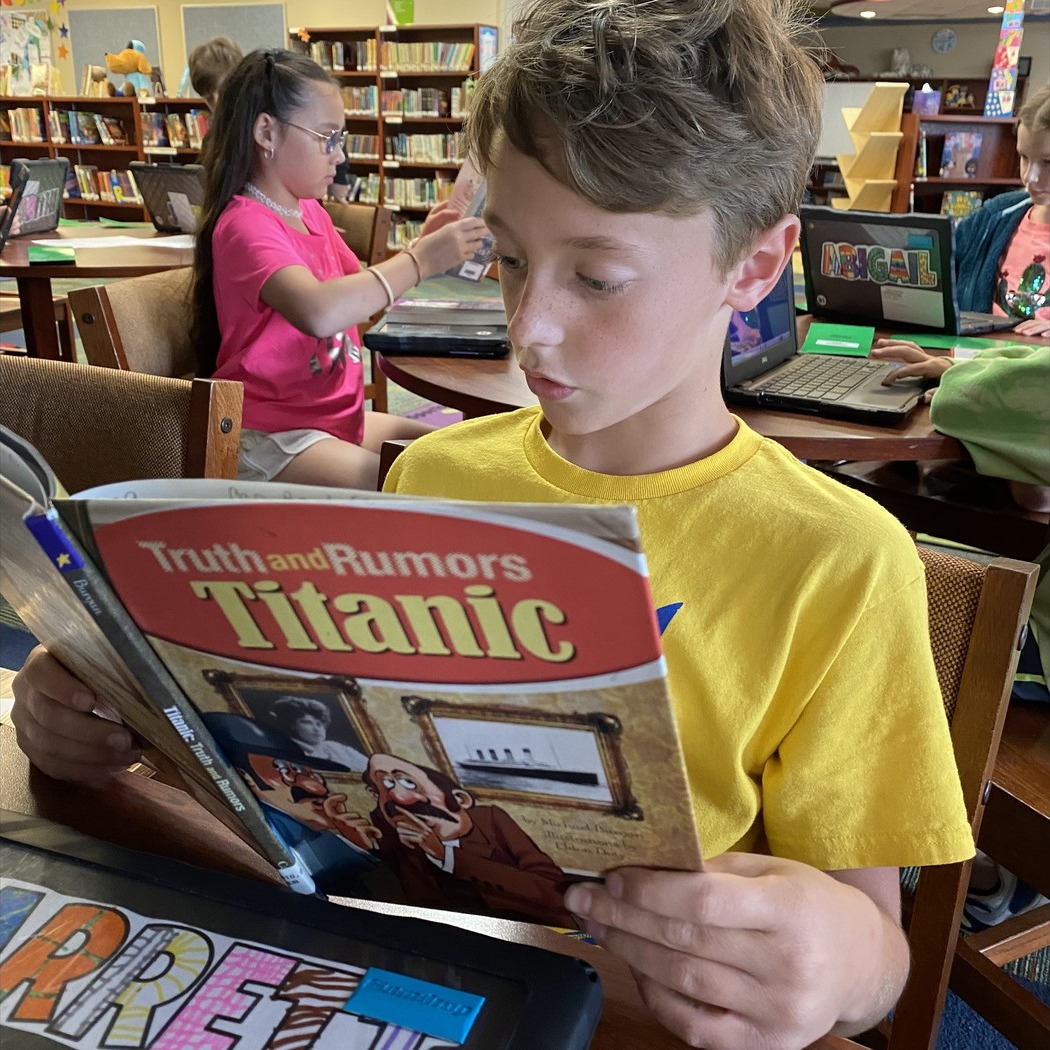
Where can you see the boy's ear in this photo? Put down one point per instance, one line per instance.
(754, 276)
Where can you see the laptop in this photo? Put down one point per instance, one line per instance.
(204, 951)
(438, 340)
(39, 185)
(762, 368)
(886, 269)
(172, 194)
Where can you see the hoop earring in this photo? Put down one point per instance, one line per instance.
(270, 153)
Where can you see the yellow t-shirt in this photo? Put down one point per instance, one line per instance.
(798, 654)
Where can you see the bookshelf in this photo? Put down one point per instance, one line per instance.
(996, 162)
(874, 129)
(76, 126)
(405, 92)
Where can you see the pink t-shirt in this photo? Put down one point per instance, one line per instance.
(291, 380)
(1027, 251)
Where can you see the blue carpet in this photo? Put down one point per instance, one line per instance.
(962, 1029)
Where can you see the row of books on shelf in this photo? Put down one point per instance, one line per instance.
(86, 182)
(22, 124)
(416, 193)
(174, 130)
(353, 56)
(429, 56)
(428, 102)
(362, 147)
(84, 128)
(360, 101)
(402, 230)
(426, 149)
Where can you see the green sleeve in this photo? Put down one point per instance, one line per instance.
(998, 406)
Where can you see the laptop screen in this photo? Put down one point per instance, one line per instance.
(763, 337)
(879, 268)
(172, 193)
(43, 181)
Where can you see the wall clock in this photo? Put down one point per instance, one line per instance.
(943, 41)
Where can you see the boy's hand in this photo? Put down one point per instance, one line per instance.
(450, 245)
(55, 726)
(916, 361)
(754, 951)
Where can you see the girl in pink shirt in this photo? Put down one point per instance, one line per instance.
(278, 295)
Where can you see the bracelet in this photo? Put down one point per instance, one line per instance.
(415, 262)
(385, 283)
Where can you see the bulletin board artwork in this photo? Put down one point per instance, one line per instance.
(1002, 85)
(26, 36)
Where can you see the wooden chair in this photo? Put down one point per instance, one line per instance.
(139, 324)
(977, 617)
(366, 230)
(96, 425)
(11, 321)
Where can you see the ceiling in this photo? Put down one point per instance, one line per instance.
(924, 10)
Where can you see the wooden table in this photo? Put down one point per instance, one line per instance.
(129, 811)
(478, 387)
(34, 281)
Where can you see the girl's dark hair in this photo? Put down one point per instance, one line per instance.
(271, 81)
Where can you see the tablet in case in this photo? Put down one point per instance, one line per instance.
(102, 946)
(438, 340)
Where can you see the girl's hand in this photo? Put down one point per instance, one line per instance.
(916, 361)
(57, 730)
(1033, 326)
(440, 215)
(452, 244)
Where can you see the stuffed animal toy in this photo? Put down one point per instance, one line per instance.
(135, 67)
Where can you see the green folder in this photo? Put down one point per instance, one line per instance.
(49, 254)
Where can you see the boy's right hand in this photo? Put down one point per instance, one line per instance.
(57, 729)
(452, 244)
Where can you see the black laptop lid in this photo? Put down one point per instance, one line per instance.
(763, 338)
(10, 209)
(879, 268)
(41, 204)
(172, 193)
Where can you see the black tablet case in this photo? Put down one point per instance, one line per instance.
(438, 340)
(533, 998)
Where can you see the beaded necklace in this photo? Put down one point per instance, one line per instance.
(288, 213)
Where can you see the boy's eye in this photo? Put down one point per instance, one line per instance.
(604, 287)
(507, 262)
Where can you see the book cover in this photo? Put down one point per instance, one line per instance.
(103, 131)
(118, 136)
(468, 194)
(961, 155)
(178, 136)
(960, 203)
(460, 707)
(89, 133)
(431, 303)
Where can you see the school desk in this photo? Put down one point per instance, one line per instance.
(34, 279)
(131, 809)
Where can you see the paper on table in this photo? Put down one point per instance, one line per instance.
(180, 241)
(848, 340)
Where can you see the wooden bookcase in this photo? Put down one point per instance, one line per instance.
(997, 167)
(52, 138)
(406, 90)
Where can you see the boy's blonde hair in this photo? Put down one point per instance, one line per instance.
(210, 62)
(671, 106)
(1035, 113)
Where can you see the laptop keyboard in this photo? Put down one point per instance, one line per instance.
(823, 376)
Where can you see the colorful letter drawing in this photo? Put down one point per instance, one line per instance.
(98, 976)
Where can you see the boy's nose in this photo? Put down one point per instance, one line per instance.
(533, 319)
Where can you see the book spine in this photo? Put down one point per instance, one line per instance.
(88, 584)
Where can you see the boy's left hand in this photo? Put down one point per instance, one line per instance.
(754, 951)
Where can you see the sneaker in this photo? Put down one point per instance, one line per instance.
(1008, 897)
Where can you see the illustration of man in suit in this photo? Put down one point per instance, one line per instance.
(449, 852)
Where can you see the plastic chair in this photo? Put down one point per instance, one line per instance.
(96, 426)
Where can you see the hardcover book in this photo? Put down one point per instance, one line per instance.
(960, 203)
(961, 155)
(428, 702)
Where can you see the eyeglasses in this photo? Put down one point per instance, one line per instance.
(330, 143)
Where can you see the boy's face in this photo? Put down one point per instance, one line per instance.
(1033, 149)
(617, 321)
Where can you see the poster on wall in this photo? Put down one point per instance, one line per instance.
(25, 52)
(1002, 85)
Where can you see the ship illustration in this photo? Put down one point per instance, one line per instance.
(506, 763)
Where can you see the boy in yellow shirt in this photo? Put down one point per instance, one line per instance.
(644, 164)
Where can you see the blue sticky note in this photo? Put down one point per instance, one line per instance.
(433, 1009)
